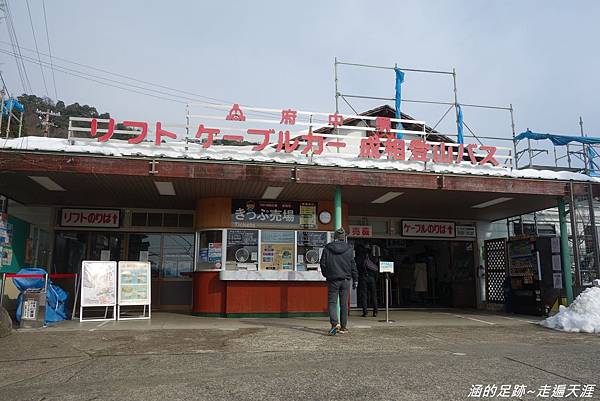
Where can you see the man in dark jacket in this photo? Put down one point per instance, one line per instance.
(339, 268)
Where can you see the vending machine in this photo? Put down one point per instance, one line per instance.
(535, 274)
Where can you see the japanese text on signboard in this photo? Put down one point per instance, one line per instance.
(382, 142)
(416, 228)
(89, 218)
(260, 213)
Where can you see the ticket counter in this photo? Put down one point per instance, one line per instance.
(260, 258)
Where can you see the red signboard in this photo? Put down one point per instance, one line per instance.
(419, 228)
(97, 218)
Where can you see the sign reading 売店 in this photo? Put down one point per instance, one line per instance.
(274, 214)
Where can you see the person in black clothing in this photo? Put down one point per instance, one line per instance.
(371, 267)
(339, 269)
(361, 291)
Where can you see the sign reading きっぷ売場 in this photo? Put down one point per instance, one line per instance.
(271, 213)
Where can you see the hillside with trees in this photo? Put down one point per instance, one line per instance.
(32, 122)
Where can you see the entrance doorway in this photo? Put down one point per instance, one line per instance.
(427, 273)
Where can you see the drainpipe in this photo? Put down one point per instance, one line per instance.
(564, 250)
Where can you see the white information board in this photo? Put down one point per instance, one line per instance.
(98, 283)
(386, 267)
(134, 283)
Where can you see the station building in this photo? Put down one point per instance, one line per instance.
(237, 230)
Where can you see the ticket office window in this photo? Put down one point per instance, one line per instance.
(242, 250)
(210, 250)
(247, 249)
(310, 247)
(277, 250)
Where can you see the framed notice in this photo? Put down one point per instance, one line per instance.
(134, 283)
(98, 283)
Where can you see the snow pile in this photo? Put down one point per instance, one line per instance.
(583, 315)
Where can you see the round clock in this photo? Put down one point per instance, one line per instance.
(325, 217)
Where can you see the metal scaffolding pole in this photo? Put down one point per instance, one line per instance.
(593, 227)
(574, 236)
(512, 125)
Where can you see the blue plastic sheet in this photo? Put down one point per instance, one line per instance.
(557, 139)
(399, 80)
(11, 104)
(461, 138)
(56, 297)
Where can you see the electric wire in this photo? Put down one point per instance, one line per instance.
(59, 69)
(49, 50)
(12, 44)
(36, 46)
(15, 40)
(196, 97)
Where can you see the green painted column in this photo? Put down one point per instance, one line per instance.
(565, 251)
(337, 205)
(337, 213)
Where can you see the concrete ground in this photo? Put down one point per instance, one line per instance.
(422, 355)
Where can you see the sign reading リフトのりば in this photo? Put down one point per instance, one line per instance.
(98, 218)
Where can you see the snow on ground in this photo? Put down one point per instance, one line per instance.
(583, 315)
(193, 151)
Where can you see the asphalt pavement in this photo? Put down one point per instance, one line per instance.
(422, 355)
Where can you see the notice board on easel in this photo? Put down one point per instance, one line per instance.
(98, 286)
(134, 287)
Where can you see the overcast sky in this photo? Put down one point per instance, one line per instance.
(541, 56)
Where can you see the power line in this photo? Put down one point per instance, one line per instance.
(59, 69)
(127, 77)
(36, 46)
(176, 94)
(49, 50)
(12, 44)
(15, 42)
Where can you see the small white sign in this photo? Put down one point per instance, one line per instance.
(555, 244)
(386, 267)
(556, 264)
(557, 279)
(466, 231)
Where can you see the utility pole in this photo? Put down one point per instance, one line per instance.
(46, 121)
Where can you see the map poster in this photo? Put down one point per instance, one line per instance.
(98, 283)
(134, 283)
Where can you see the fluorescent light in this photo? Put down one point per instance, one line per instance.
(387, 197)
(491, 203)
(165, 188)
(272, 192)
(47, 183)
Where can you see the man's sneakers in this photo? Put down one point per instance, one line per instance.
(334, 329)
(342, 330)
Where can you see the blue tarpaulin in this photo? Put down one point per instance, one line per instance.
(459, 117)
(56, 297)
(12, 104)
(399, 80)
(558, 139)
